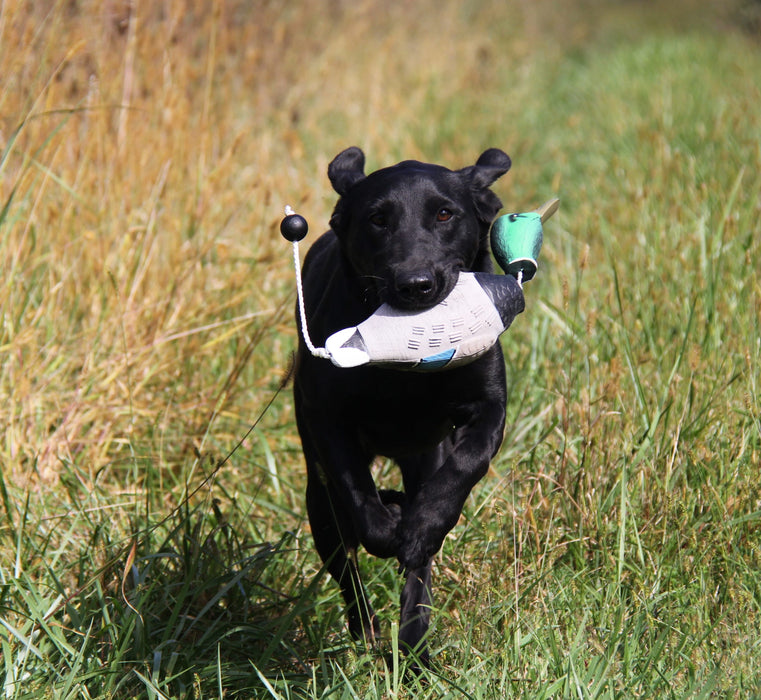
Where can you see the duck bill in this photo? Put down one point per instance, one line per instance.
(548, 209)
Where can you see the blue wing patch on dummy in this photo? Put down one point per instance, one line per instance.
(437, 361)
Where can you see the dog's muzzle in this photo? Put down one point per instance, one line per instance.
(418, 289)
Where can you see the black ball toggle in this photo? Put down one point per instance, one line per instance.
(294, 227)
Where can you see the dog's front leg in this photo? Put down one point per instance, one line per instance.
(415, 613)
(376, 516)
(436, 506)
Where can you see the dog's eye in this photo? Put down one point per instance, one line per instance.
(443, 214)
(378, 220)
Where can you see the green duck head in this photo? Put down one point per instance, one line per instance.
(516, 239)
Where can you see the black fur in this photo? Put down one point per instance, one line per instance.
(402, 235)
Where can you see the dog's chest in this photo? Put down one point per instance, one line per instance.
(395, 438)
(403, 415)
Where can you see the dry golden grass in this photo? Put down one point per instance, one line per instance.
(140, 232)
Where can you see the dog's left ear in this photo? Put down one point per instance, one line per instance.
(491, 165)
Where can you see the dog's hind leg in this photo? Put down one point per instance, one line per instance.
(336, 542)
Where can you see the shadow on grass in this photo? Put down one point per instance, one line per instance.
(202, 611)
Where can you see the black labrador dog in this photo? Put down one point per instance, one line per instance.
(399, 235)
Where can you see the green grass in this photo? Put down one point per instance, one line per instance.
(152, 545)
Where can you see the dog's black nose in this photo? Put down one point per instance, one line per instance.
(415, 288)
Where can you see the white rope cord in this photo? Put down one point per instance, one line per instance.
(317, 352)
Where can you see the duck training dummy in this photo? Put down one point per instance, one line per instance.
(457, 330)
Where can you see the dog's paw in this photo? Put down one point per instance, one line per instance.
(421, 534)
(380, 531)
(415, 551)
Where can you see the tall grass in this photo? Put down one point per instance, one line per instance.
(153, 534)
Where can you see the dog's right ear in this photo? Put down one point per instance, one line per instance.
(346, 169)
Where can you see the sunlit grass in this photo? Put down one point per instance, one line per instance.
(152, 546)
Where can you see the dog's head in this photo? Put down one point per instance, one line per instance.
(408, 230)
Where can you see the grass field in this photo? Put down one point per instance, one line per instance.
(154, 544)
